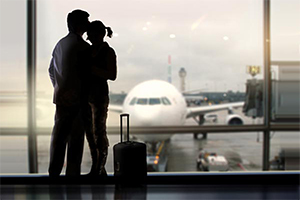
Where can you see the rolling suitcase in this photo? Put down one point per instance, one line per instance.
(130, 162)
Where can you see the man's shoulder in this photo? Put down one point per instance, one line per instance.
(63, 41)
(73, 39)
(65, 38)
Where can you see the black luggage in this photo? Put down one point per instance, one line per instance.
(130, 162)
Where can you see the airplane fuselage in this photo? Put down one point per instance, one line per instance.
(159, 103)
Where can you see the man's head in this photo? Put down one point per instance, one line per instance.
(78, 21)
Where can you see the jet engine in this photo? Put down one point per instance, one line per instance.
(234, 119)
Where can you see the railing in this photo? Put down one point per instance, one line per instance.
(167, 129)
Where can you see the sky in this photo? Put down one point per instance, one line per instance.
(214, 40)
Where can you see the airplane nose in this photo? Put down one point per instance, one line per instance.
(145, 117)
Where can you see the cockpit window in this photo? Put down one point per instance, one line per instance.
(150, 101)
(166, 101)
(154, 101)
(142, 101)
(132, 102)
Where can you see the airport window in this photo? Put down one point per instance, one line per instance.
(13, 94)
(13, 155)
(285, 71)
(154, 101)
(166, 101)
(132, 102)
(142, 101)
(284, 150)
(219, 47)
(13, 91)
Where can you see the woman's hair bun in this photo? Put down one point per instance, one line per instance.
(109, 32)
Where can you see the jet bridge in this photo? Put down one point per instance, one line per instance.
(285, 91)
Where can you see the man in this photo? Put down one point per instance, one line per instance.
(66, 76)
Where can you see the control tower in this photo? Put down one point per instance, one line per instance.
(182, 75)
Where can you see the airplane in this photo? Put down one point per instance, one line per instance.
(159, 103)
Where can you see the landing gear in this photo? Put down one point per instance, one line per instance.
(200, 120)
(195, 135)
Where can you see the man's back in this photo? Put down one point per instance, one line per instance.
(65, 69)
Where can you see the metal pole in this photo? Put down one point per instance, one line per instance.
(31, 85)
(267, 85)
(266, 150)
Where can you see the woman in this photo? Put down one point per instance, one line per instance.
(103, 67)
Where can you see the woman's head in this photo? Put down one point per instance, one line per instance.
(97, 31)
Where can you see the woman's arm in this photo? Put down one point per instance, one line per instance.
(111, 72)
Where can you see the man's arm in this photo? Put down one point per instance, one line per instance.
(51, 72)
(111, 72)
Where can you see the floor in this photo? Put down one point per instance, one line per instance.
(155, 192)
(211, 186)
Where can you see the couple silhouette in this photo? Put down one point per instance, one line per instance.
(79, 73)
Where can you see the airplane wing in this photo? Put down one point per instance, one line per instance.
(198, 97)
(194, 111)
(115, 108)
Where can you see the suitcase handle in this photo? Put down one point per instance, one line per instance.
(121, 127)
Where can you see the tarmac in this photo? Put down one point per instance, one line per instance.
(243, 151)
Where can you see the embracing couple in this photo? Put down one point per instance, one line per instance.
(79, 73)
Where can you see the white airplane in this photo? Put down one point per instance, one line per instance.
(159, 103)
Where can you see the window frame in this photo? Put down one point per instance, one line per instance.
(32, 131)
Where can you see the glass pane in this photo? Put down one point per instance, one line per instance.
(226, 152)
(285, 69)
(214, 44)
(13, 100)
(284, 154)
(285, 27)
(13, 154)
(285, 61)
(13, 108)
(231, 152)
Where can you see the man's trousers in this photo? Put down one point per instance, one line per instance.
(68, 132)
